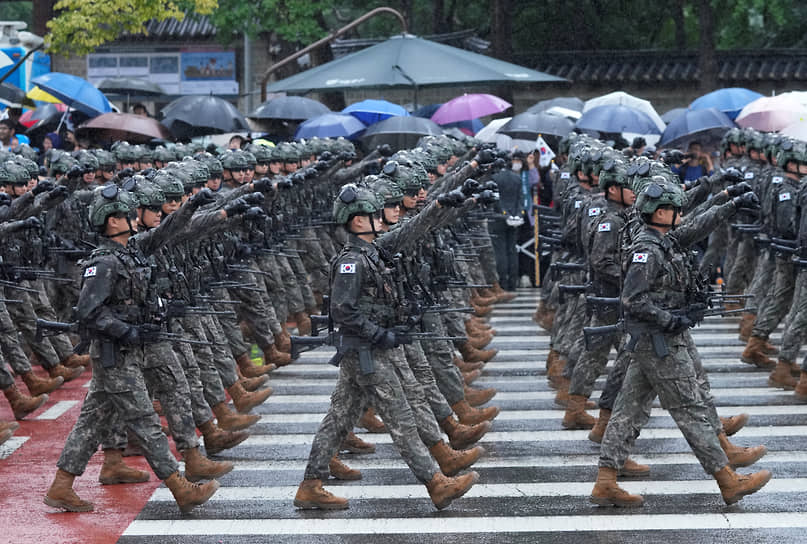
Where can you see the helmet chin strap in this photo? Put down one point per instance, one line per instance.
(672, 224)
(130, 231)
(372, 227)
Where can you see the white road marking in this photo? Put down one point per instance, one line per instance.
(11, 445)
(57, 409)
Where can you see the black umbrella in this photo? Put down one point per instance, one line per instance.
(399, 132)
(568, 102)
(199, 115)
(14, 97)
(130, 86)
(293, 108)
(528, 126)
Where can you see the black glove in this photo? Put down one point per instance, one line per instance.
(42, 187)
(470, 187)
(285, 183)
(254, 212)
(485, 156)
(454, 199)
(310, 172)
(487, 197)
(298, 177)
(321, 165)
(32, 222)
(746, 201)
(253, 199)
(691, 184)
(131, 337)
(490, 185)
(204, 197)
(678, 323)
(58, 192)
(148, 173)
(5, 200)
(263, 185)
(75, 172)
(236, 207)
(385, 150)
(738, 188)
(385, 338)
(126, 173)
(732, 175)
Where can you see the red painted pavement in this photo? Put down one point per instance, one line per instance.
(26, 475)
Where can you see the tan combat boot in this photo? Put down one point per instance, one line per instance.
(801, 387)
(461, 436)
(501, 294)
(61, 494)
(273, 357)
(232, 421)
(480, 341)
(115, 471)
(39, 386)
(632, 468)
(746, 326)
(283, 340)
(253, 384)
(311, 495)
(781, 377)
(478, 397)
(5, 434)
(481, 311)
(217, 440)
(741, 457)
(769, 348)
(443, 489)
(9, 426)
(452, 461)
(467, 367)
(754, 353)
(576, 416)
(473, 355)
(354, 444)
(371, 422)
(734, 423)
(735, 486)
(198, 467)
(22, 405)
(75, 361)
(189, 495)
(341, 471)
(606, 492)
(550, 359)
(244, 401)
(468, 415)
(471, 377)
(250, 370)
(303, 323)
(562, 395)
(68, 374)
(598, 431)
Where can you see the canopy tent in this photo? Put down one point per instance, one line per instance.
(408, 61)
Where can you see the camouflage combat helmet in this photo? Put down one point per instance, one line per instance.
(108, 200)
(787, 152)
(213, 164)
(263, 153)
(148, 194)
(26, 151)
(163, 154)
(106, 160)
(234, 160)
(251, 160)
(30, 166)
(659, 192)
(385, 189)
(87, 161)
(61, 162)
(15, 174)
(614, 172)
(286, 152)
(169, 184)
(354, 200)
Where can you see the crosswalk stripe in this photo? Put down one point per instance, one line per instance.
(57, 409)
(11, 445)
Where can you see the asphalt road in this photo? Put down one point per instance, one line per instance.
(535, 478)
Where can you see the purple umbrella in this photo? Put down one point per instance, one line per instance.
(469, 106)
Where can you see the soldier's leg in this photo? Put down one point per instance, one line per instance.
(731, 250)
(613, 384)
(422, 371)
(254, 310)
(24, 318)
(98, 415)
(44, 310)
(187, 360)
(275, 287)
(763, 273)
(592, 364)
(231, 331)
(223, 360)
(294, 292)
(427, 427)
(10, 343)
(796, 327)
(302, 281)
(742, 272)
(212, 387)
(440, 356)
(784, 279)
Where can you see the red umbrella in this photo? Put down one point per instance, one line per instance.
(124, 126)
(30, 117)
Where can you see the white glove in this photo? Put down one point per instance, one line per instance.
(514, 221)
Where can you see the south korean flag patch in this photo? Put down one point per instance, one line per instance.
(749, 175)
(593, 212)
(784, 196)
(604, 227)
(564, 175)
(577, 204)
(777, 179)
(90, 272)
(639, 257)
(347, 268)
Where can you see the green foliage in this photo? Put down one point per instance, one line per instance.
(17, 11)
(751, 24)
(296, 21)
(83, 25)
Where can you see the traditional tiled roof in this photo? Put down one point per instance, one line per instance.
(621, 67)
(192, 27)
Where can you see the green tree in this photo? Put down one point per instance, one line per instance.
(82, 25)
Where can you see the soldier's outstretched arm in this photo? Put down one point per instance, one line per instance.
(701, 225)
(152, 240)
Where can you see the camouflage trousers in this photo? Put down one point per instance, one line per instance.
(592, 362)
(314, 261)
(382, 390)
(222, 358)
(422, 371)
(211, 381)
(294, 294)
(440, 355)
(775, 307)
(9, 340)
(301, 277)
(674, 378)
(44, 310)
(275, 289)
(715, 250)
(64, 296)
(572, 329)
(762, 282)
(6, 379)
(200, 410)
(255, 309)
(742, 272)
(797, 326)
(24, 318)
(117, 399)
(613, 384)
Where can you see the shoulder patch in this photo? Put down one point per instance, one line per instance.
(593, 211)
(90, 271)
(784, 196)
(577, 204)
(776, 179)
(347, 268)
(749, 175)
(639, 258)
(604, 227)
(564, 175)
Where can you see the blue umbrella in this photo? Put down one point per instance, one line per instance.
(373, 111)
(330, 125)
(706, 126)
(469, 128)
(75, 92)
(617, 119)
(730, 101)
(426, 111)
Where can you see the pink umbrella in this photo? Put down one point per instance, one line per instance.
(771, 113)
(469, 106)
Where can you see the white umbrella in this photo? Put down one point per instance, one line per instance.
(564, 112)
(488, 132)
(621, 98)
(797, 130)
(798, 96)
(771, 113)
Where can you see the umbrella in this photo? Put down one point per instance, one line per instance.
(75, 92)
(426, 111)
(293, 108)
(490, 131)
(568, 102)
(798, 96)
(408, 61)
(39, 95)
(617, 119)
(797, 130)
(399, 132)
(706, 126)
(620, 98)
(30, 117)
(123, 126)
(469, 106)
(530, 125)
(730, 100)
(330, 125)
(130, 86)
(13, 97)
(564, 112)
(672, 114)
(372, 111)
(199, 115)
(468, 128)
(771, 113)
